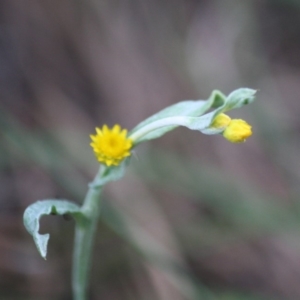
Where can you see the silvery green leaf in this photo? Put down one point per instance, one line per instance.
(35, 211)
(239, 98)
(184, 108)
(236, 99)
(202, 124)
(191, 114)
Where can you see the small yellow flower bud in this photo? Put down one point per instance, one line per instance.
(220, 121)
(237, 131)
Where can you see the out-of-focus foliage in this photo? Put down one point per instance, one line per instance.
(195, 217)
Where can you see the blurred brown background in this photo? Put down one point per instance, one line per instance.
(195, 217)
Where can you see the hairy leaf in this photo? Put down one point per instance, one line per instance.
(192, 114)
(183, 108)
(35, 211)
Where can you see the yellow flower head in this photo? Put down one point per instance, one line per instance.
(220, 121)
(111, 146)
(237, 131)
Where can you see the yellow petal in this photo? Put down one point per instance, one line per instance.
(116, 128)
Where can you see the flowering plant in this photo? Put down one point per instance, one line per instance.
(113, 147)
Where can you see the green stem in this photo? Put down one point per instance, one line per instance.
(84, 237)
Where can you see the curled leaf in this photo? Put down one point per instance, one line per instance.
(35, 211)
(183, 108)
(195, 115)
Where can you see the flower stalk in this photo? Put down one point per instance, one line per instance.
(84, 238)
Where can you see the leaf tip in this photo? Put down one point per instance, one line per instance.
(41, 242)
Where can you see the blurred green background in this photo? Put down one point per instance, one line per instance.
(195, 217)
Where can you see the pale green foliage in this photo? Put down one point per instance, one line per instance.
(236, 99)
(184, 108)
(194, 115)
(35, 211)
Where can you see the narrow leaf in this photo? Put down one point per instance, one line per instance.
(239, 98)
(236, 99)
(35, 211)
(184, 108)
